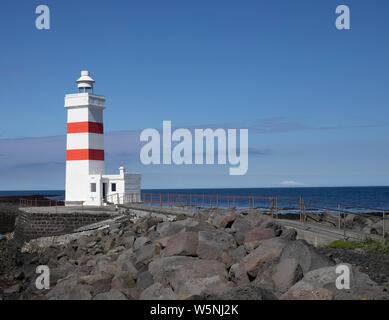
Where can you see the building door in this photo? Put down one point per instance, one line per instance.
(104, 191)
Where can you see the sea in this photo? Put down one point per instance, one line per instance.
(370, 197)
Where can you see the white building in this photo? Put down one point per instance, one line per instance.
(86, 181)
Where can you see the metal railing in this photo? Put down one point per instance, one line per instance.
(121, 198)
(211, 201)
(305, 210)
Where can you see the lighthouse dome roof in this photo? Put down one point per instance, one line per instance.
(85, 81)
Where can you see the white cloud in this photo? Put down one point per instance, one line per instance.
(291, 183)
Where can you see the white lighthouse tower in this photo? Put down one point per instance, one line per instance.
(86, 182)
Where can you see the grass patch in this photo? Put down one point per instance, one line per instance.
(368, 245)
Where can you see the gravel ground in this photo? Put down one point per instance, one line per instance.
(375, 265)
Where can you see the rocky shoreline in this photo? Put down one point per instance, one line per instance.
(214, 254)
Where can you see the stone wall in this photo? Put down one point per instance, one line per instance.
(32, 225)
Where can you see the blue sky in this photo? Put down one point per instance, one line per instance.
(315, 99)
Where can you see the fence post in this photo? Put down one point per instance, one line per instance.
(217, 201)
(203, 201)
(277, 208)
(344, 226)
(151, 200)
(383, 225)
(340, 215)
(301, 208)
(210, 201)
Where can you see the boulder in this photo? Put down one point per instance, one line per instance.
(182, 244)
(254, 237)
(61, 272)
(320, 284)
(267, 250)
(239, 228)
(212, 244)
(166, 229)
(100, 285)
(70, 289)
(157, 292)
(124, 280)
(226, 258)
(204, 287)
(140, 242)
(113, 294)
(285, 274)
(238, 253)
(144, 280)
(126, 262)
(107, 267)
(247, 292)
(128, 266)
(223, 220)
(80, 292)
(238, 274)
(201, 226)
(163, 242)
(109, 244)
(146, 253)
(280, 276)
(188, 275)
(306, 256)
(257, 219)
(377, 228)
(127, 241)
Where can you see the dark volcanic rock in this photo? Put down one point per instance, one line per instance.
(373, 264)
(306, 256)
(248, 292)
(214, 254)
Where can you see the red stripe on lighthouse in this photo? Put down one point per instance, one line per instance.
(86, 126)
(84, 154)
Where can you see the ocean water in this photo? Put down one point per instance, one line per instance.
(372, 197)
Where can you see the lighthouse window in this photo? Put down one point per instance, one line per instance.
(113, 187)
(93, 187)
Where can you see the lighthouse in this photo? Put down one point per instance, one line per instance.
(86, 182)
